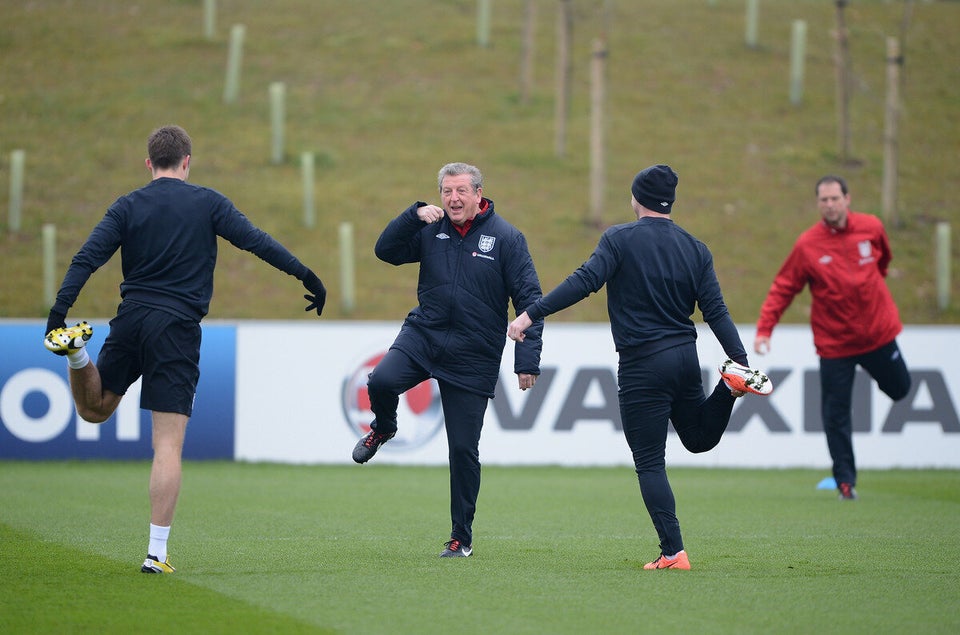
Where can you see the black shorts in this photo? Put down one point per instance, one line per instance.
(161, 347)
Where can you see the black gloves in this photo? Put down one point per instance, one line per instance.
(56, 320)
(313, 284)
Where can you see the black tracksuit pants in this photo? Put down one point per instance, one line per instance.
(887, 366)
(463, 413)
(655, 390)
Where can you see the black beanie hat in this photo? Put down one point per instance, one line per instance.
(655, 188)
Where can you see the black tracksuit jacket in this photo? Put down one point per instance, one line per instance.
(458, 331)
(167, 235)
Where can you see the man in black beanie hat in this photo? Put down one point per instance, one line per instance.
(655, 188)
(656, 273)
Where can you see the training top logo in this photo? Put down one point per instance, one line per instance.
(419, 415)
(486, 243)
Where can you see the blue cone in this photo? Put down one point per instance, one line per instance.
(827, 483)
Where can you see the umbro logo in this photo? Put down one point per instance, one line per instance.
(824, 260)
(443, 236)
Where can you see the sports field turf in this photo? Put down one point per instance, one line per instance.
(350, 549)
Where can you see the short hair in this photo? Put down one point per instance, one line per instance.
(456, 169)
(830, 178)
(167, 146)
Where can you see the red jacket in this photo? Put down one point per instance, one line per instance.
(853, 311)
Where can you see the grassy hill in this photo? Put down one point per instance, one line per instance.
(384, 93)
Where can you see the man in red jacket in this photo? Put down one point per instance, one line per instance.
(844, 259)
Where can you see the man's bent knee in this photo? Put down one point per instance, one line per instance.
(99, 413)
(899, 391)
(93, 416)
(699, 446)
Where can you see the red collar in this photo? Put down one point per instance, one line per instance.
(463, 229)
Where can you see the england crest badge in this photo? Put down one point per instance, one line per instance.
(486, 243)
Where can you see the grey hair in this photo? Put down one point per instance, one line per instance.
(456, 169)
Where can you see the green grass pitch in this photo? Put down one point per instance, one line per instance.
(351, 549)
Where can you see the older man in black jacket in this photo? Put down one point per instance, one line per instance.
(472, 263)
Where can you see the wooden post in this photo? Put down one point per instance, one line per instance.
(278, 93)
(483, 23)
(526, 55)
(597, 99)
(891, 214)
(18, 159)
(234, 57)
(564, 71)
(209, 18)
(943, 265)
(842, 64)
(798, 47)
(346, 267)
(750, 35)
(49, 239)
(309, 209)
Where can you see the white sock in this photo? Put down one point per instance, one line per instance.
(79, 359)
(158, 542)
(674, 556)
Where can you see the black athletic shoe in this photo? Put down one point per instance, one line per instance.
(456, 549)
(847, 493)
(366, 447)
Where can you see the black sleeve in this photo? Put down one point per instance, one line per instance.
(524, 288)
(100, 246)
(399, 243)
(236, 228)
